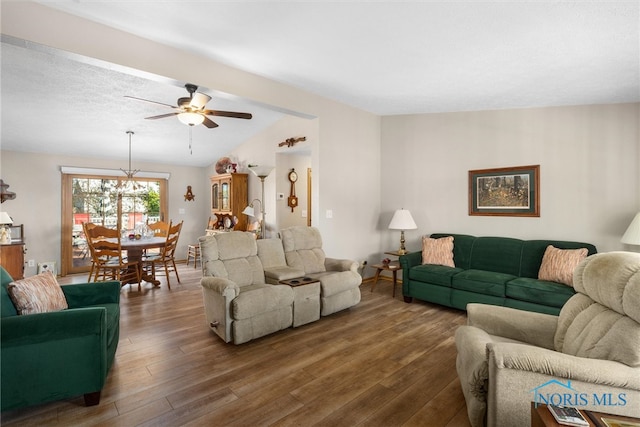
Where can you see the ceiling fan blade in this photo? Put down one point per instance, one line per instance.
(209, 123)
(227, 114)
(162, 116)
(199, 100)
(153, 102)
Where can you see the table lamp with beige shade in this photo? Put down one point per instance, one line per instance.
(632, 235)
(402, 220)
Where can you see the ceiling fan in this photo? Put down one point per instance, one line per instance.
(190, 110)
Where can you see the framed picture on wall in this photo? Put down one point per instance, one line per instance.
(512, 191)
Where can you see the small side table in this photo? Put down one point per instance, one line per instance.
(393, 267)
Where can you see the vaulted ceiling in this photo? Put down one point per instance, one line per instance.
(385, 57)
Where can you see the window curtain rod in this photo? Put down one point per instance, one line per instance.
(72, 170)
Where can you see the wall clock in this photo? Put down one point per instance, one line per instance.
(292, 201)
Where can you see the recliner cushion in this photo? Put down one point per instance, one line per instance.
(589, 329)
(244, 271)
(602, 320)
(257, 299)
(335, 282)
(271, 253)
(232, 256)
(303, 249)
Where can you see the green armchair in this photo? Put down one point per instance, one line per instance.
(58, 355)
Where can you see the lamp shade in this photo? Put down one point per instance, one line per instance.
(249, 211)
(402, 220)
(632, 235)
(5, 218)
(191, 119)
(261, 171)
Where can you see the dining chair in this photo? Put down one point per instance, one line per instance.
(106, 255)
(166, 258)
(79, 241)
(86, 226)
(160, 229)
(193, 250)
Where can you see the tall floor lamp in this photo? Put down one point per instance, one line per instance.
(261, 172)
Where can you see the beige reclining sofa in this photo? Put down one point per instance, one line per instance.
(588, 356)
(243, 299)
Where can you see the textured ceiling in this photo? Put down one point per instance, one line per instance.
(386, 57)
(59, 104)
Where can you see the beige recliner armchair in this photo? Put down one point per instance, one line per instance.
(588, 356)
(339, 279)
(239, 305)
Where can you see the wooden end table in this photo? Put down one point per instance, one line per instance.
(541, 417)
(393, 267)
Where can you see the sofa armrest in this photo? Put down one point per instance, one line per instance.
(410, 260)
(87, 294)
(54, 355)
(333, 264)
(219, 285)
(554, 364)
(529, 327)
(59, 325)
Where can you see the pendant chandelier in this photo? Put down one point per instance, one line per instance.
(128, 184)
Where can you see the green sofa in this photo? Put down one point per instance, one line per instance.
(58, 355)
(489, 270)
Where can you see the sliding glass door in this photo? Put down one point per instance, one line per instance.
(107, 201)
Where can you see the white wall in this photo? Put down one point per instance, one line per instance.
(262, 149)
(287, 217)
(36, 179)
(589, 159)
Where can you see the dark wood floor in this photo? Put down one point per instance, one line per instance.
(381, 363)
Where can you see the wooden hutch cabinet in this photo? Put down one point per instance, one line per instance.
(229, 197)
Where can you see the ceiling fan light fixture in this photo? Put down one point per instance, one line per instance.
(191, 119)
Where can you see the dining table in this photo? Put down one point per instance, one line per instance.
(135, 249)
